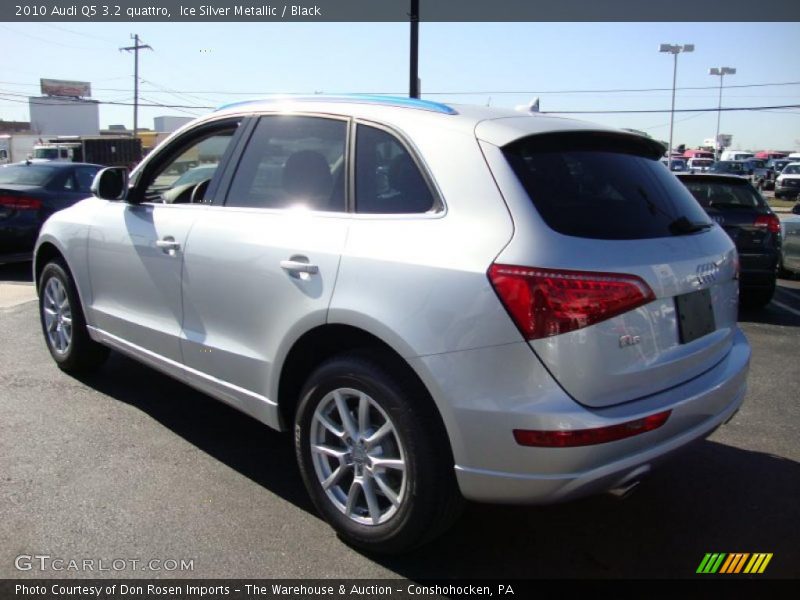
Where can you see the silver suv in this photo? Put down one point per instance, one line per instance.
(442, 302)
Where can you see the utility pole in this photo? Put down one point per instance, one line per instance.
(135, 49)
(413, 78)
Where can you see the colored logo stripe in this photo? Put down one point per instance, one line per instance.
(721, 562)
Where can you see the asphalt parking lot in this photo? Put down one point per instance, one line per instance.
(131, 464)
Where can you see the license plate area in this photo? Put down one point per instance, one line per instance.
(695, 315)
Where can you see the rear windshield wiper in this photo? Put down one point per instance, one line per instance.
(682, 226)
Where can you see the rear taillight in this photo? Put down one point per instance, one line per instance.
(771, 222)
(547, 302)
(20, 203)
(569, 438)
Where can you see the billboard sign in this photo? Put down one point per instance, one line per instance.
(71, 89)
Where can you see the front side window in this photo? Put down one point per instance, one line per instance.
(184, 175)
(293, 162)
(388, 180)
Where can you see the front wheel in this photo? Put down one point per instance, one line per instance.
(63, 323)
(374, 460)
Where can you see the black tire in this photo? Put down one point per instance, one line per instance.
(81, 354)
(430, 502)
(757, 298)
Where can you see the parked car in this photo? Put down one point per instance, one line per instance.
(699, 165)
(787, 185)
(29, 194)
(776, 165)
(760, 174)
(736, 155)
(747, 218)
(440, 302)
(730, 167)
(678, 164)
(790, 250)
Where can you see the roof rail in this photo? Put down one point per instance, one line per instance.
(397, 101)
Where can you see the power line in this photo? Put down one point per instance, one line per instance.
(464, 93)
(609, 112)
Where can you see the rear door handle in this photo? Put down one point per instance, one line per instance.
(168, 244)
(296, 266)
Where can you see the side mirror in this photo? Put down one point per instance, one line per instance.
(111, 183)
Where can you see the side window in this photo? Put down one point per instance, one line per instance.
(292, 161)
(84, 176)
(387, 178)
(184, 176)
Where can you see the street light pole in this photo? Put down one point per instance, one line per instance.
(721, 72)
(674, 49)
(413, 75)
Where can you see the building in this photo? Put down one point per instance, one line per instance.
(169, 124)
(59, 115)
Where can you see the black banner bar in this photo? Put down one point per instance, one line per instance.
(398, 10)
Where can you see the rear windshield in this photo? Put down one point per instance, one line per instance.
(26, 175)
(602, 186)
(717, 194)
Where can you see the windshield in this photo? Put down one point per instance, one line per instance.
(601, 189)
(791, 170)
(26, 174)
(702, 162)
(728, 167)
(47, 153)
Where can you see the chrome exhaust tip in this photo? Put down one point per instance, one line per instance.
(625, 490)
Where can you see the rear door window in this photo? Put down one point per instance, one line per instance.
(602, 186)
(388, 181)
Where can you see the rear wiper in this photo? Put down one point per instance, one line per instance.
(682, 226)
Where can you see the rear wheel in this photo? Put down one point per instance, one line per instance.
(374, 462)
(63, 322)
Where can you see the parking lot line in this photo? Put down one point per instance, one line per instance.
(786, 307)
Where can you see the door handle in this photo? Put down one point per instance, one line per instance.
(168, 245)
(296, 266)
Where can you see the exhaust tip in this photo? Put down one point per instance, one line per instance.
(624, 491)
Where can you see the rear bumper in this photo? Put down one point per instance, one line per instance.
(491, 467)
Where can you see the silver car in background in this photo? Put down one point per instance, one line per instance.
(441, 302)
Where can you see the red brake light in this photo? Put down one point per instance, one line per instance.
(587, 437)
(547, 302)
(20, 203)
(771, 222)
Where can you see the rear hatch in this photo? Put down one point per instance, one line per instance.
(617, 277)
(740, 210)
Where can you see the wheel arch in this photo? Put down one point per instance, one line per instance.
(326, 341)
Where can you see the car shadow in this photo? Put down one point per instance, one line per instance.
(710, 498)
(775, 312)
(20, 272)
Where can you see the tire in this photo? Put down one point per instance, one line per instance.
(63, 322)
(758, 298)
(372, 505)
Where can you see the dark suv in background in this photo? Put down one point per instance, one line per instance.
(746, 217)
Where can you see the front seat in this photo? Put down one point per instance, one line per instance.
(307, 180)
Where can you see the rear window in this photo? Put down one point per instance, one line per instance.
(602, 186)
(715, 194)
(26, 175)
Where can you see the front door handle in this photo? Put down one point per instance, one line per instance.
(296, 266)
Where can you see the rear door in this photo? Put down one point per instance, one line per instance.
(602, 228)
(261, 263)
